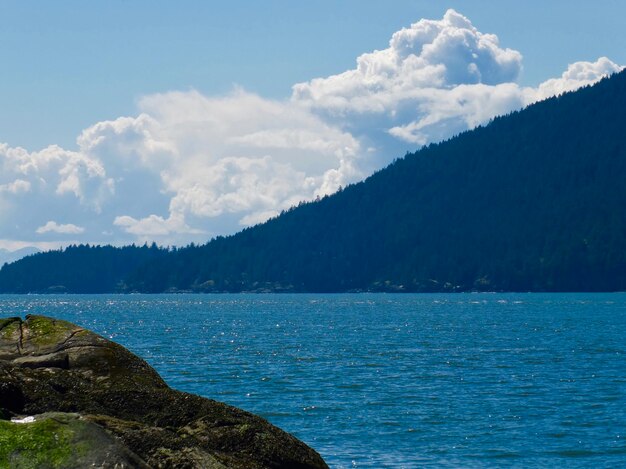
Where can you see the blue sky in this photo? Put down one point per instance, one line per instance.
(72, 63)
(190, 75)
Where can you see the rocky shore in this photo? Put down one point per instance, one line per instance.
(70, 398)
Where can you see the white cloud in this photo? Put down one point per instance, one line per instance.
(429, 55)
(19, 186)
(54, 227)
(59, 171)
(241, 153)
(155, 227)
(189, 166)
(577, 74)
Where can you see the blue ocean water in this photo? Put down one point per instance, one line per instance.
(402, 381)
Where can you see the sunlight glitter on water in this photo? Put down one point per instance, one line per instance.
(530, 380)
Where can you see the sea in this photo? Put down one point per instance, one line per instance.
(391, 380)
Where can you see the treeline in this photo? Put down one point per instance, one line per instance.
(77, 269)
(533, 201)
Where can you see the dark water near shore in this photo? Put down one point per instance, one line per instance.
(459, 380)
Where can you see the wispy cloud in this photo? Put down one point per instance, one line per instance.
(54, 227)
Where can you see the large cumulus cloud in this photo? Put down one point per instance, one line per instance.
(428, 55)
(436, 78)
(190, 166)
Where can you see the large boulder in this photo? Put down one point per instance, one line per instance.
(77, 383)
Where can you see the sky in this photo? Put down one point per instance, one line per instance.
(138, 121)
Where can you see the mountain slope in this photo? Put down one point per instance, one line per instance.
(535, 200)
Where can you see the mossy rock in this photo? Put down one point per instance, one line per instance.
(48, 365)
(10, 329)
(58, 440)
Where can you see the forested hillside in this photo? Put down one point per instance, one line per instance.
(534, 201)
(76, 269)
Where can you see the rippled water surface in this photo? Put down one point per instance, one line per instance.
(460, 380)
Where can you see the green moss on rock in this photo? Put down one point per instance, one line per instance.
(59, 440)
(40, 444)
(10, 328)
(45, 331)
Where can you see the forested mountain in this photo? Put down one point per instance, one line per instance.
(534, 201)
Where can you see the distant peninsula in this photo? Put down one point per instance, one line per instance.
(533, 201)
